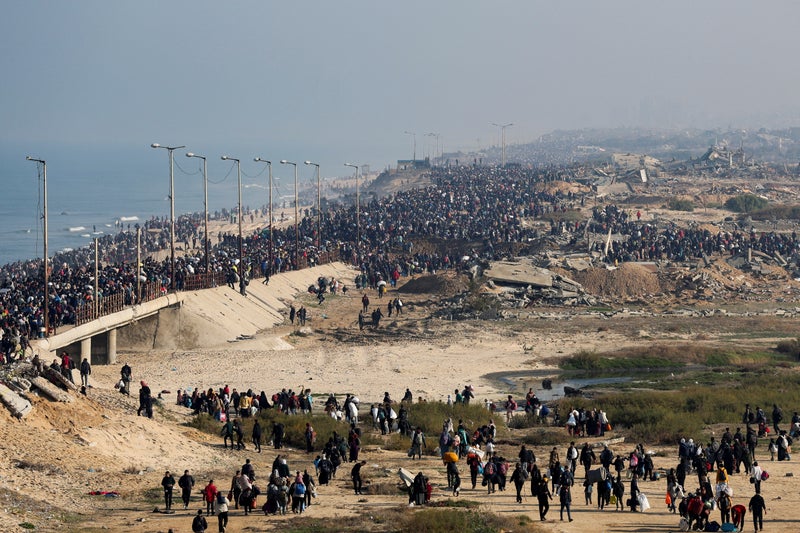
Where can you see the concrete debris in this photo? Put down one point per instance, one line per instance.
(16, 404)
(50, 391)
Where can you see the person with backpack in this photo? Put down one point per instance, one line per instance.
(519, 476)
(511, 406)
(725, 504)
(221, 508)
(474, 463)
(417, 443)
(490, 475)
(604, 490)
(619, 493)
(199, 524)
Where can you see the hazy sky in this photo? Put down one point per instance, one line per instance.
(337, 81)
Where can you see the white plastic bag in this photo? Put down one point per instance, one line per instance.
(643, 503)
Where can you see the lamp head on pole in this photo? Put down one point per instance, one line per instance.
(260, 160)
(155, 145)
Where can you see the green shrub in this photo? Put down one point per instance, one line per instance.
(449, 520)
(790, 347)
(746, 203)
(676, 204)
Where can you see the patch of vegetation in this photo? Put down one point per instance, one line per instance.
(746, 203)
(454, 504)
(676, 204)
(27, 525)
(777, 212)
(666, 416)
(718, 359)
(385, 489)
(592, 361)
(449, 520)
(438, 517)
(480, 302)
(546, 437)
(790, 347)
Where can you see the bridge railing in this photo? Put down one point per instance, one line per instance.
(87, 311)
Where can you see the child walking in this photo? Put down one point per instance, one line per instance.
(587, 491)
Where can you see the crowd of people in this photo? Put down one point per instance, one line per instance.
(610, 479)
(478, 211)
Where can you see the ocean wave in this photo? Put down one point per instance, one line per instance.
(76, 229)
(128, 219)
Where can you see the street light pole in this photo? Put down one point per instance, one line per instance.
(436, 136)
(414, 135)
(241, 242)
(503, 135)
(269, 165)
(358, 208)
(171, 149)
(296, 217)
(319, 206)
(205, 208)
(46, 309)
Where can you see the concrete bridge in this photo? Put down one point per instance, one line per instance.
(97, 340)
(189, 319)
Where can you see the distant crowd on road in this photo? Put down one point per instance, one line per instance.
(475, 212)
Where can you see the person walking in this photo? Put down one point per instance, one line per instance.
(257, 436)
(565, 497)
(759, 508)
(237, 429)
(186, 483)
(519, 476)
(355, 475)
(311, 437)
(126, 376)
(145, 400)
(221, 507)
(543, 497)
(209, 493)
(453, 475)
(755, 476)
(86, 370)
(199, 523)
(168, 482)
(417, 443)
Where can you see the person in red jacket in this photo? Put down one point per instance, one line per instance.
(209, 493)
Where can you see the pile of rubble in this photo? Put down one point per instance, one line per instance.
(574, 280)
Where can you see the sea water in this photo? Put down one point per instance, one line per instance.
(94, 193)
